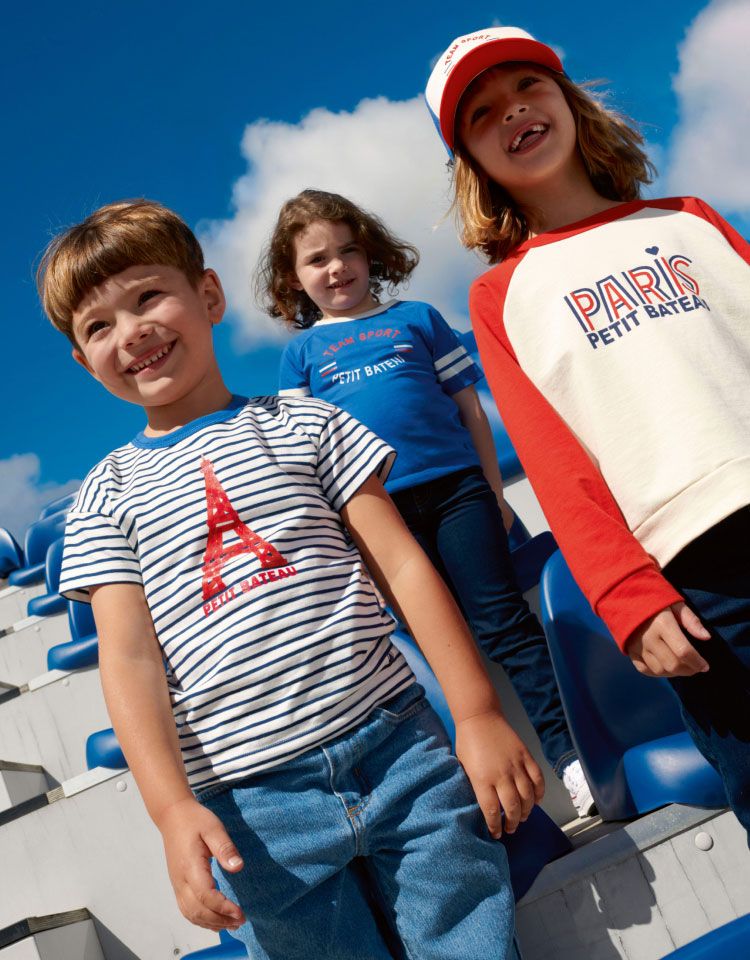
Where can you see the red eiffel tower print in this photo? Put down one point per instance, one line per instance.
(222, 519)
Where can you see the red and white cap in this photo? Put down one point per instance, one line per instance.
(472, 54)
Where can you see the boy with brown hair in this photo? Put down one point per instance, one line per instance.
(244, 651)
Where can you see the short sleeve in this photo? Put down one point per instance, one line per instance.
(454, 368)
(96, 551)
(293, 379)
(348, 454)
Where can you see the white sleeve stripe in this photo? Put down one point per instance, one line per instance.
(456, 368)
(448, 358)
(295, 392)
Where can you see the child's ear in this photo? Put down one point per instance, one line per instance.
(294, 282)
(79, 358)
(213, 296)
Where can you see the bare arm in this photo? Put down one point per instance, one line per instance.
(500, 768)
(135, 690)
(475, 420)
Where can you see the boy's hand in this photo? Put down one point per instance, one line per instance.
(192, 835)
(505, 777)
(660, 647)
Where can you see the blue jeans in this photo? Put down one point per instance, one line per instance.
(458, 523)
(713, 574)
(368, 848)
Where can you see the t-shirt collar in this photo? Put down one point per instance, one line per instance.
(381, 308)
(170, 439)
(579, 226)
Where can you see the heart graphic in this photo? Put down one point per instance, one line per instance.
(652, 250)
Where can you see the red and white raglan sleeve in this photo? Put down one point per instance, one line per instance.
(738, 243)
(700, 208)
(621, 581)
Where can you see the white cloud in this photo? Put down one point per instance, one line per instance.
(22, 496)
(384, 155)
(709, 153)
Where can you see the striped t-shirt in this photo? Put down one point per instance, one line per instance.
(395, 368)
(274, 637)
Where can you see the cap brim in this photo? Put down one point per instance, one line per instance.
(490, 54)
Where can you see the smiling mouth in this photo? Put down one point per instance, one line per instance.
(157, 355)
(528, 137)
(340, 284)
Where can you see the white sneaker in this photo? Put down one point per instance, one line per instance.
(580, 792)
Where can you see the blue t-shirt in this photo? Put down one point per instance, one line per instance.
(395, 369)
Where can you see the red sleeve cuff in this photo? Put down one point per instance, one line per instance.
(632, 601)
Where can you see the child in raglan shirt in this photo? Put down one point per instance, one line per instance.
(614, 335)
(399, 369)
(245, 652)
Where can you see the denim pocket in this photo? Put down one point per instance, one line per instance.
(215, 790)
(402, 707)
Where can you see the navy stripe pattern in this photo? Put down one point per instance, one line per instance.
(275, 639)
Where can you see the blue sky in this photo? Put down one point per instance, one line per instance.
(154, 99)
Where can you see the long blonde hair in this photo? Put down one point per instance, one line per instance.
(612, 153)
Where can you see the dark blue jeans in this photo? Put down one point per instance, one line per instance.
(458, 523)
(713, 574)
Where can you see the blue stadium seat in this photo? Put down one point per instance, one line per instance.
(103, 750)
(83, 649)
(50, 602)
(227, 949)
(730, 941)
(11, 554)
(535, 843)
(518, 534)
(627, 728)
(61, 503)
(38, 538)
(529, 558)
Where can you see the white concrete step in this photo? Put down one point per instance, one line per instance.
(94, 844)
(520, 496)
(49, 720)
(20, 782)
(638, 891)
(61, 936)
(24, 646)
(13, 602)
